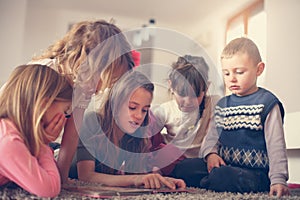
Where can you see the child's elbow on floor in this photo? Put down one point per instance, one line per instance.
(49, 192)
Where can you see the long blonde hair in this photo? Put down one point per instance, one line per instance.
(192, 72)
(91, 48)
(22, 100)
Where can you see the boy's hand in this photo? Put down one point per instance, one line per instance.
(214, 160)
(279, 190)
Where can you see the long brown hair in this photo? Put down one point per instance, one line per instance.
(91, 48)
(22, 100)
(191, 72)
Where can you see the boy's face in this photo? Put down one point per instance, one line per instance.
(240, 74)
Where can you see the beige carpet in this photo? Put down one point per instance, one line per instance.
(18, 193)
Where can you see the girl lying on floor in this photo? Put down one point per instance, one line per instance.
(33, 96)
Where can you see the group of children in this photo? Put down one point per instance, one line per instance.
(233, 144)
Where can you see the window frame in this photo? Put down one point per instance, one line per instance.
(245, 14)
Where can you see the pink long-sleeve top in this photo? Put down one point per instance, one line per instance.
(38, 175)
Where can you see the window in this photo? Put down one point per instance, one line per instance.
(250, 22)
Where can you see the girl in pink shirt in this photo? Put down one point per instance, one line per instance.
(33, 96)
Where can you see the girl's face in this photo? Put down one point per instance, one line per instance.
(240, 74)
(61, 108)
(133, 112)
(188, 103)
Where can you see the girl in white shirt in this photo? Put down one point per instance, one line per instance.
(185, 118)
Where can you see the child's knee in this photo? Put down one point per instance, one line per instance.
(221, 179)
(220, 172)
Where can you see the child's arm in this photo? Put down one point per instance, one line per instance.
(86, 172)
(69, 144)
(276, 147)
(39, 176)
(156, 124)
(210, 141)
(157, 118)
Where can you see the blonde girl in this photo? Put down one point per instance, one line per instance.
(33, 105)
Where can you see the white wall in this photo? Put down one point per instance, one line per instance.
(283, 72)
(44, 25)
(28, 27)
(283, 45)
(12, 23)
(32, 25)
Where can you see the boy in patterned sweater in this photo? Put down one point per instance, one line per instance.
(245, 148)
